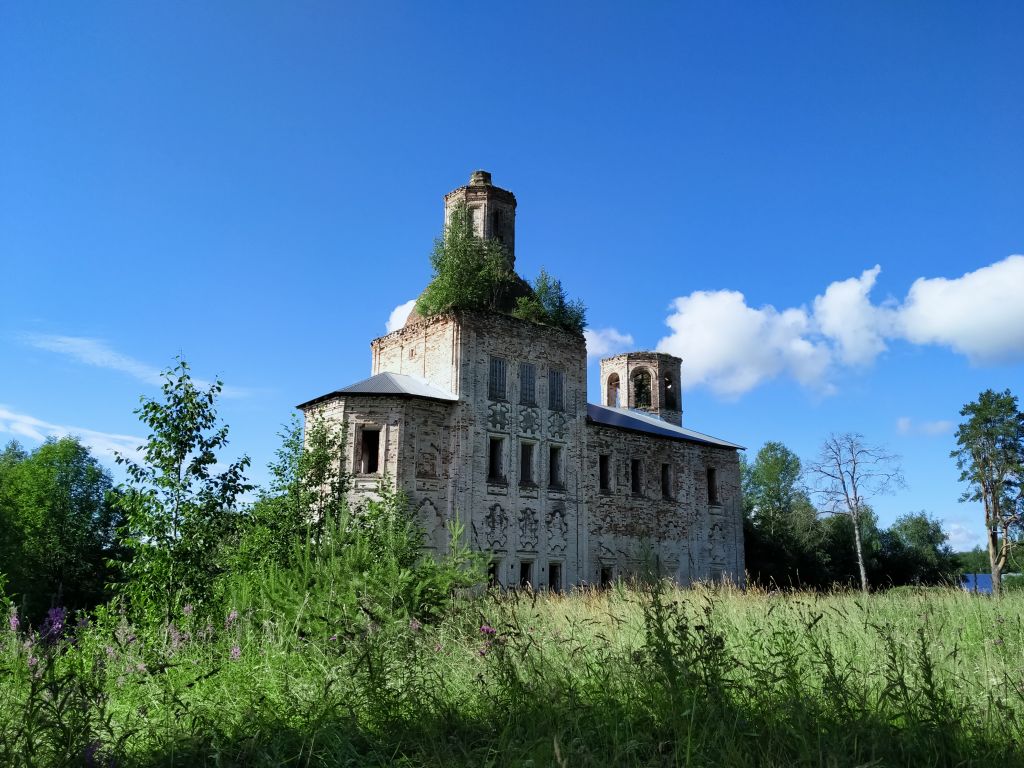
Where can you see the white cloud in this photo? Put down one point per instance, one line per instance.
(961, 537)
(732, 347)
(98, 353)
(399, 315)
(906, 426)
(980, 314)
(845, 314)
(103, 444)
(602, 342)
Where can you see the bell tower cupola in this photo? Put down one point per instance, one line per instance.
(493, 210)
(644, 381)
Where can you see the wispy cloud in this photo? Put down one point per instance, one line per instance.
(907, 426)
(961, 537)
(99, 354)
(105, 444)
(602, 342)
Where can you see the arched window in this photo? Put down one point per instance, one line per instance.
(641, 389)
(671, 400)
(612, 398)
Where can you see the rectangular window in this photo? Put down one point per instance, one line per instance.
(604, 472)
(607, 576)
(556, 391)
(527, 384)
(666, 481)
(493, 569)
(555, 466)
(369, 451)
(712, 487)
(495, 461)
(525, 574)
(496, 379)
(635, 484)
(526, 464)
(555, 577)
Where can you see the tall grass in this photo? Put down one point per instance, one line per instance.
(652, 676)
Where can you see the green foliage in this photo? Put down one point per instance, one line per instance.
(915, 551)
(469, 272)
(990, 457)
(57, 526)
(179, 512)
(548, 305)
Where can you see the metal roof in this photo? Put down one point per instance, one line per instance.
(397, 384)
(625, 418)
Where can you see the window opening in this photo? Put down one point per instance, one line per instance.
(607, 576)
(556, 394)
(671, 402)
(496, 380)
(612, 399)
(641, 389)
(494, 461)
(526, 464)
(369, 451)
(604, 472)
(666, 481)
(555, 577)
(496, 232)
(634, 477)
(492, 573)
(712, 487)
(527, 384)
(555, 466)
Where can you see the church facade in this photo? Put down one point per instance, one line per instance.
(484, 417)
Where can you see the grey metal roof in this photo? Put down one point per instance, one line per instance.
(397, 384)
(624, 418)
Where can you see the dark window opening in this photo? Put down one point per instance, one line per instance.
(369, 451)
(607, 576)
(495, 473)
(526, 464)
(712, 487)
(671, 401)
(612, 399)
(556, 393)
(604, 472)
(492, 574)
(641, 389)
(555, 467)
(666, 481)
(525, 574)
(527, 384)
(634, 477)
(496, 232)
(496, 379)
(555, 577)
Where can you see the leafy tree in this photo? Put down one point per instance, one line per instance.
(470, 272)
(914, 551)
(179, 511)
(548, 305)
(771, 487)
(57, 523)
(847, 472)
(990, 457)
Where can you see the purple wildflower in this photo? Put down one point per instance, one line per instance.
(487, 629)
(334, 638)
(110, 652)
(14, 621)
(90, 753)
(140, 667)
(232, 617)
(187, 610)
(33, 660)
(236, 652)
(414, 625)
(53, 624)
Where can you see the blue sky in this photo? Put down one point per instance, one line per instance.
(257, 187)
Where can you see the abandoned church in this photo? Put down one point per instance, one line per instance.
(484, 417)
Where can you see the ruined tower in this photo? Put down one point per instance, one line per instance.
(644, 381)
(492, 209)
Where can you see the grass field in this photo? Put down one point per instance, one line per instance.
(628, 677)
